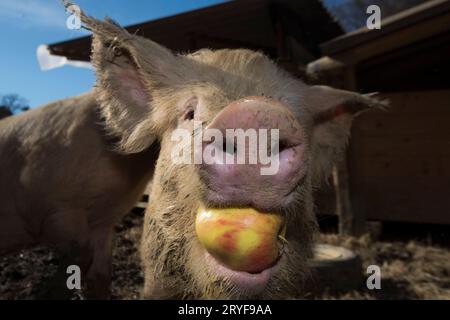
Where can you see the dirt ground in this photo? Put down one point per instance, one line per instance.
(410, 269)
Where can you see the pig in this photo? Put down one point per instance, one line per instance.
(62, 184)
(73, 168)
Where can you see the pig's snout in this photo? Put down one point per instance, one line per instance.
(261, 155)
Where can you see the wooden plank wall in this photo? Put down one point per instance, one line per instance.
(400, 167)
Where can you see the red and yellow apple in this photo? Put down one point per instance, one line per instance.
(242, 239)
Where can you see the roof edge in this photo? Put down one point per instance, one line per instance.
(399, 21)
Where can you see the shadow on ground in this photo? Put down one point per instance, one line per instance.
(410, 270)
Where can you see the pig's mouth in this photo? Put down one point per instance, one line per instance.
(248, 283)
(268, 201)
(243, 247)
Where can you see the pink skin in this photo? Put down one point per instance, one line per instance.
(243, 185)
(251, 283)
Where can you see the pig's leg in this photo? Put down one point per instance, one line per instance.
(98, 274)
(56, 287)
(13, 233)
(66, 231)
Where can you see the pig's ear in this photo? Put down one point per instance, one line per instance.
(333, 112)
(128, 69)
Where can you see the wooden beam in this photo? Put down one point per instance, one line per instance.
(343, 204)
(408, 26)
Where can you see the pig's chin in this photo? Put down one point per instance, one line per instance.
(249, 284)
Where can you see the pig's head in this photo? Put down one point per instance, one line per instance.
(221, 230)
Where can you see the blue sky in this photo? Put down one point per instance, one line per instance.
(25, 24)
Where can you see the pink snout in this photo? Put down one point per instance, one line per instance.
(261, 155)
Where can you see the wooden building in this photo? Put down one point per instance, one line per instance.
(284, 29)
(397, 167)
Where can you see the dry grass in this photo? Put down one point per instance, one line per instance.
(409, 270)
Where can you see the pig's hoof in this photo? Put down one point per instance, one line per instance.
(335, 269)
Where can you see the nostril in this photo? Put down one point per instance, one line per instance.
(228, 146)
(283, 145)
(224, 145)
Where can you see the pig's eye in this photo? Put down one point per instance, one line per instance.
(190, 109)
(189, 115)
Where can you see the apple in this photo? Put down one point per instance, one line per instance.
(242, 239)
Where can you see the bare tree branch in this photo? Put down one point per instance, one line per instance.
(14, 103)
